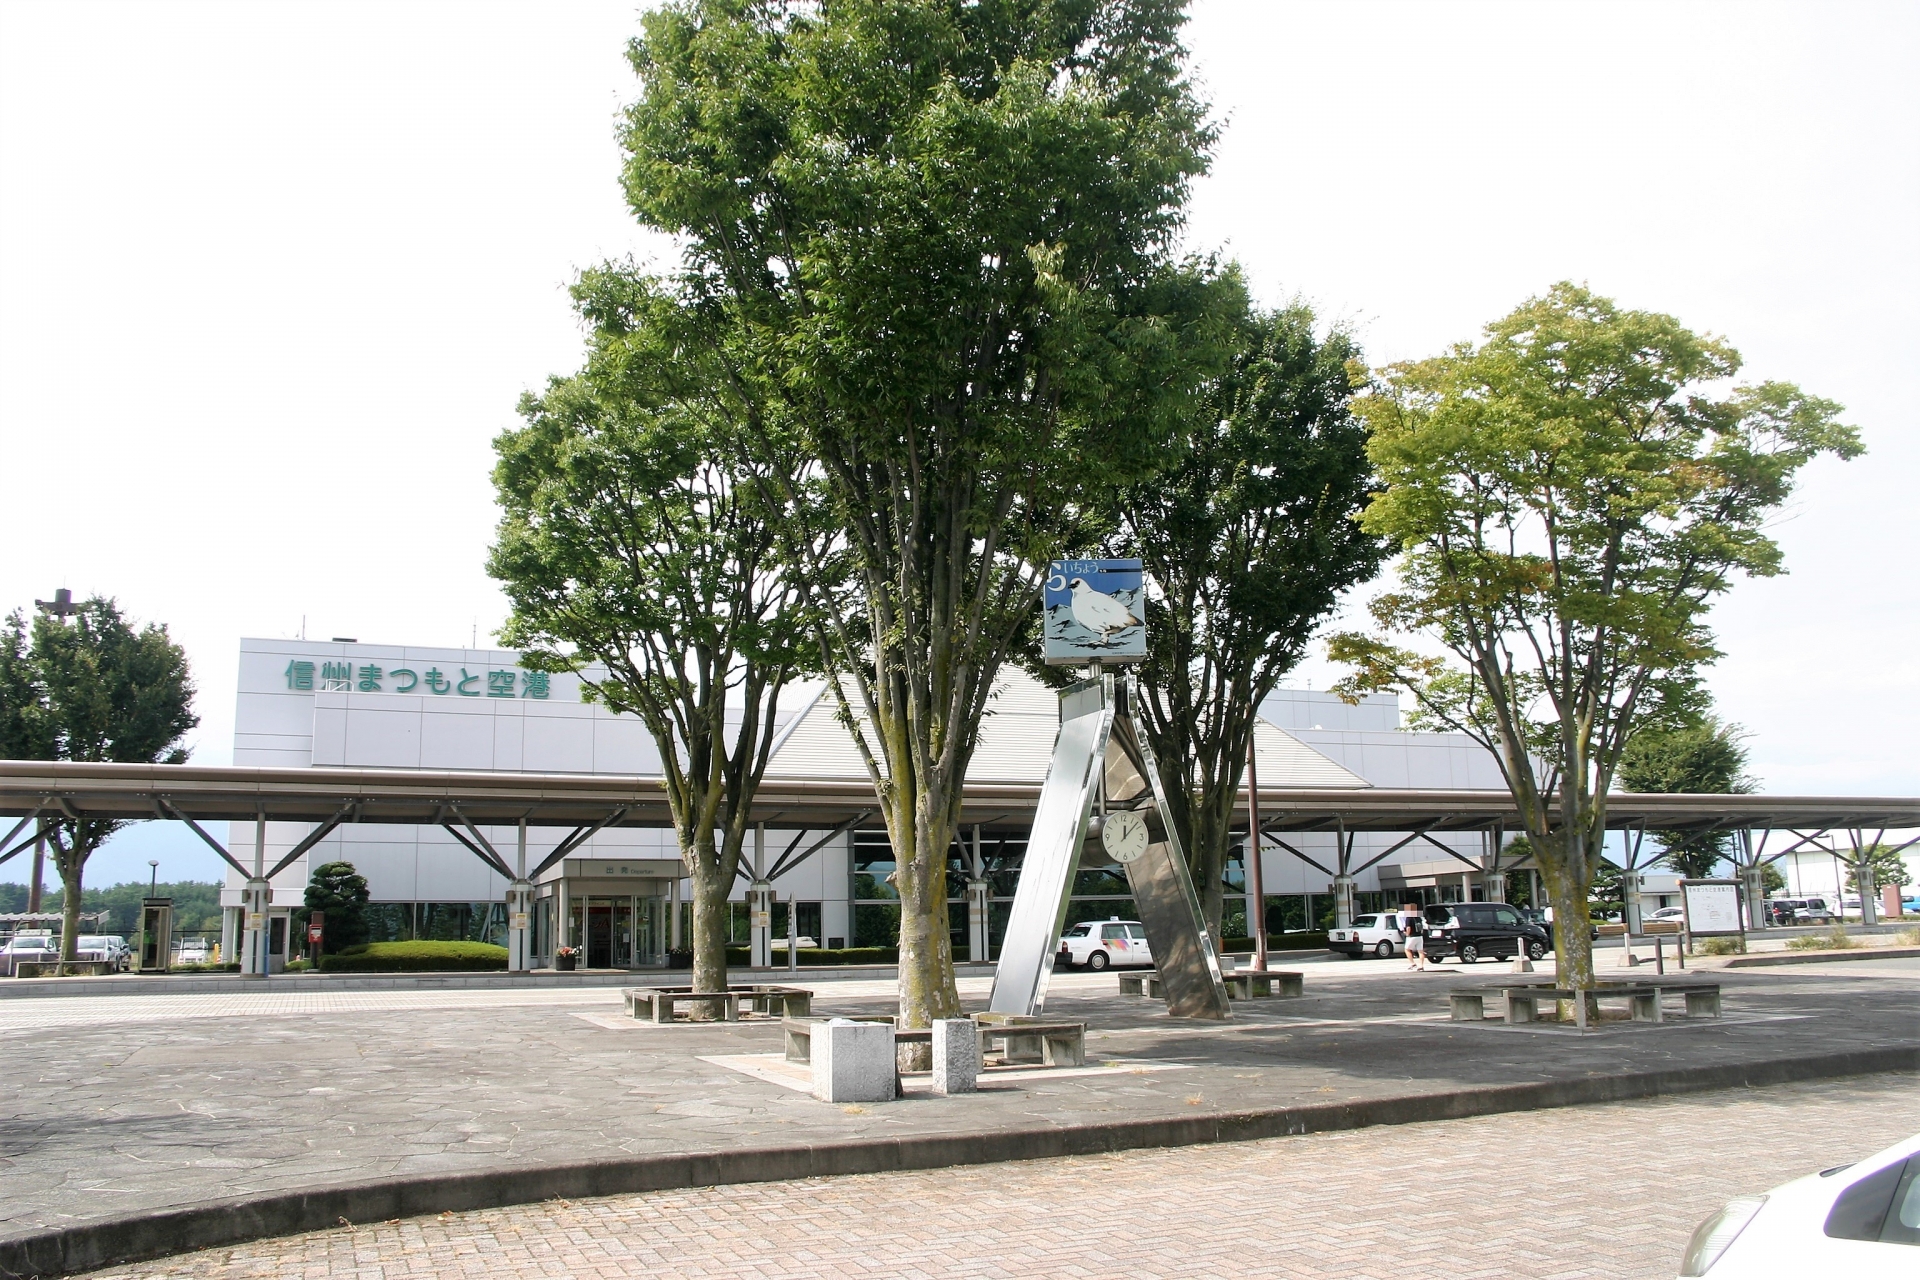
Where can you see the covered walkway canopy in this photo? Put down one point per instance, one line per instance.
(426, 797)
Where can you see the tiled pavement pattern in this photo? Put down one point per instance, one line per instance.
(1586, 1192)
(104, 1115)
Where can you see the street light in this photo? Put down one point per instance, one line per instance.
(153, 886)
(61, 606)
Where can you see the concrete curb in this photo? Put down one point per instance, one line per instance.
(140, 1236)
(1761, 959)
(199, 984)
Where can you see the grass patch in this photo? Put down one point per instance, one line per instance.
(417, 957)
(1719, 946)
(1908, 937)
(1834, 939)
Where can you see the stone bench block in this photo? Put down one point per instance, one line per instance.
(853, 1061)
(956, 1056)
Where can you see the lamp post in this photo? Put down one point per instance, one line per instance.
(153, 885)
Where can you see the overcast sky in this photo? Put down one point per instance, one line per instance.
(273, 276)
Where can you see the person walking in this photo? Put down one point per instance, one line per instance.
(1414, 925)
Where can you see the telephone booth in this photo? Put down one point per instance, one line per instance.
(156, 934)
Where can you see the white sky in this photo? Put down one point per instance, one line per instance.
(273, 276)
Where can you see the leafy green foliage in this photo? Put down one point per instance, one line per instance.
(340, 891)
(1699, 756)
(1568, 498)
(196, 904)
(1249, 537)
(417, 957)
(638, 533)
(933, 239)
(1886, 863)
(94, 689)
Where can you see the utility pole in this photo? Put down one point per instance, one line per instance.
(1256, 881)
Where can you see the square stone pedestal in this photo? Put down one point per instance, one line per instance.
(853, 1062)
(956, 1056)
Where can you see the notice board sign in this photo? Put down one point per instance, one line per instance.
(1712, 907)
(1095, 612)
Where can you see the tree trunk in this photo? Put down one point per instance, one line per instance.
(712, 920)
(1208, 862)
(927, 987)
(69, 863)
(1567, 875)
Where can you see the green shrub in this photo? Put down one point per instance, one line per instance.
(1305, 940)
(1719, 946)
(1834, 939)
(815, 956)
(297, 966)
(417, 957)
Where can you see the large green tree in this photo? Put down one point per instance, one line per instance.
(636, 534)
(937, 232)
(340, 891)
(96, 688)
(1569, 497)
(1249, 537)
(1698, 756)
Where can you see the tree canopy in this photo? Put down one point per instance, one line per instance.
(935, 240)
(1568, 498)
(1699, 756)
(1249, 537)
(340, 891)
(97, 689)
(638, 534)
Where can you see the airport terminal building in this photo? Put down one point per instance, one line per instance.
(619, 895)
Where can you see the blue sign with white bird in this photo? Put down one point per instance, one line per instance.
(1095, 612)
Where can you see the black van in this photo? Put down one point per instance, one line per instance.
(1471, 930)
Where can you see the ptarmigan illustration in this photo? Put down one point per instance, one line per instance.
(1099, 612)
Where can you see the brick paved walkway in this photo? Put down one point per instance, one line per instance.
(1606, 1191)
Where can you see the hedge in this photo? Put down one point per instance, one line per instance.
(814, 956)
(1303, 941)
(416, 957)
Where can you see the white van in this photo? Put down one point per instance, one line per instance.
(105, 946)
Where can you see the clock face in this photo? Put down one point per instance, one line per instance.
(1124, 835)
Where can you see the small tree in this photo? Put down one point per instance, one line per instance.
(94, 689)
(341, 892)
(1569, 498)
(1249, 538)
(1698, 756)
(1887, 864)
(637, 533)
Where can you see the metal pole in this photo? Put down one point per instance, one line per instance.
(793, 938)
(39, 867)
(1256, 883)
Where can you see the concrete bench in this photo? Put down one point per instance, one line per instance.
(1523, 1003)
(56, 968)
(798, 1033)
(1242, 984)
(1253, 984)
(1702, 998)
(663, 1004)
(1052, 1044)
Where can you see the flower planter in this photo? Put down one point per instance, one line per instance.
(565, 964)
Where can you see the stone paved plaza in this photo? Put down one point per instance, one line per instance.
(139, 1103)
(1608, 1191)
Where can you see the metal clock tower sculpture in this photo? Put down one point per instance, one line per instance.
(1102, 780)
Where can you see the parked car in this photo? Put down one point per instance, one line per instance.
(1096, 944)
(33, 946)
(1376, 935)
(104, 946)
(196, 951)
(1676, 914)
(1812, 910)
(1471, 930)
(1855, 1220)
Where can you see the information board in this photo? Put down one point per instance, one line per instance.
(1095, 612)
(1712, 907)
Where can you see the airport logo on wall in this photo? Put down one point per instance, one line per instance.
(1095, 612)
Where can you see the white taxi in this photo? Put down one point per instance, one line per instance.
(1375, 935)
(1096, 944)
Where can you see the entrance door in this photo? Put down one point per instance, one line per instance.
(599, 933)
(623, 933)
